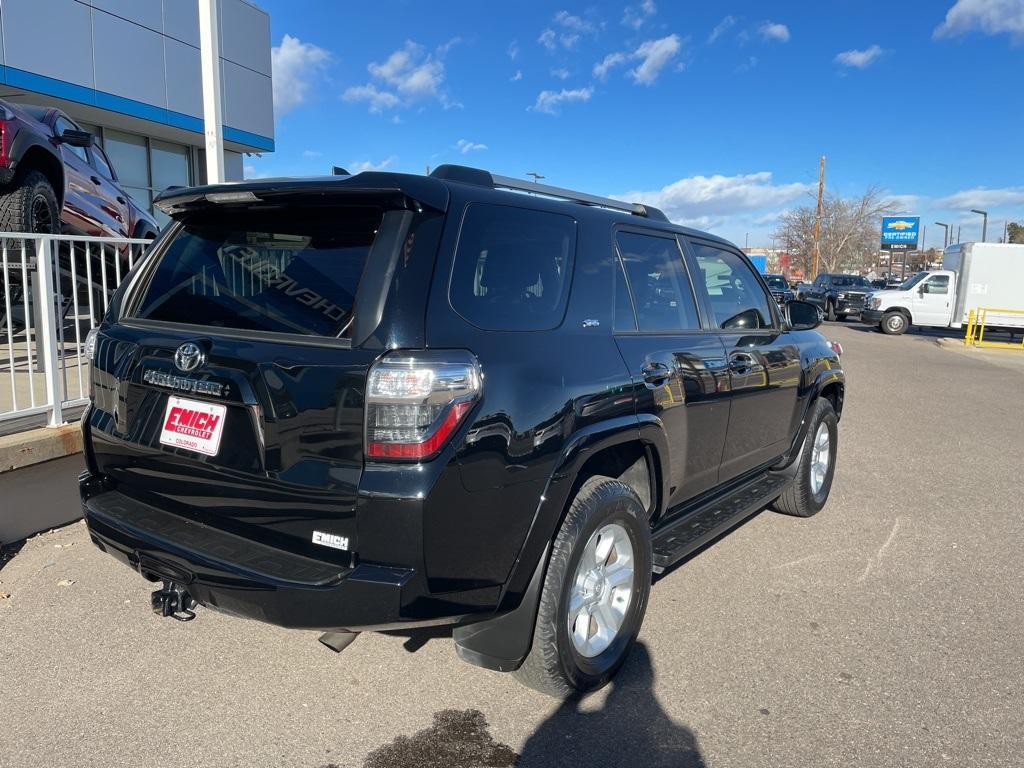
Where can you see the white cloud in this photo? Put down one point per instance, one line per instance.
(569, 40)
(747, 65)
(861, 59)
(407, 76)
(772, 30)
(903, 203)
(548, 39)
(513, 50)
(575, 23)
(561, 73)
(465, 146)
(983, 198)
(377, 100)
(550, 102)
(311, 154)
(359, 166)
(602, 68)
(992, 17)
(517, 76)
(296, 66)
(655, 54)
(721, 28)
(713, 196)
(635, 16)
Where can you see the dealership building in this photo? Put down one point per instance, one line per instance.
(129, 71)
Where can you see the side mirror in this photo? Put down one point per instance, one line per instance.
(803, 316)
(76, 138)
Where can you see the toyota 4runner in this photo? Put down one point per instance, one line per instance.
(388, 401)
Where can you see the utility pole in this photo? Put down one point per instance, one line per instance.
(213, 105)
(817, 216)
(1005, 236)
(958, 234)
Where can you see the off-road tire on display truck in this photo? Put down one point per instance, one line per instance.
(598, 581)
(29, 205)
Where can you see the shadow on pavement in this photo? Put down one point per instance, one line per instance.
(630, 729)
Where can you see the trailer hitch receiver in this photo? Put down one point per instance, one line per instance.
(173, 601)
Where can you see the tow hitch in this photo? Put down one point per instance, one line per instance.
(173, 601)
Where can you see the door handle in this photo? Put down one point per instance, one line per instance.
(741, 363)
(95, 179)
(656, 374)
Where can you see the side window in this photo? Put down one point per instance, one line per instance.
(937, 284)
(99, 162)
(63, 124)
(660, 288)
(512, 268)
(821, 281)
(737, 298)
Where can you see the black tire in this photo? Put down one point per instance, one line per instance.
(800, 499)
(29, 205)
(830, 311)
(554, 666)
(894, 323)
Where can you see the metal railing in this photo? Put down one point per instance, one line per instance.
(1009, 321)
(55, 289)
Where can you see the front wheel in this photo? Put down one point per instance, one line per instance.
(830, 312)
(894, 323)
(809, 491)
(595, 592)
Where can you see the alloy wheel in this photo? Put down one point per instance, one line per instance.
(601, 590)
(820, 455)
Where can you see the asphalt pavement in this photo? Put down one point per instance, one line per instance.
(886, 631)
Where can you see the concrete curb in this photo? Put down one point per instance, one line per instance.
(27, 448)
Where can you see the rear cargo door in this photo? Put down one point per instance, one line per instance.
(231, 393)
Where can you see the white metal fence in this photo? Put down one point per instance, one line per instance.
(55, 289)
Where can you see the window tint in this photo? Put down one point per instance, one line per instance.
(937, 284)
(99, 162)
(737, 298)
(290, 270)
(512, 268)
(62, 124)
(662, 295)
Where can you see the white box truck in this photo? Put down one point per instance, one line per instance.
(973, 275)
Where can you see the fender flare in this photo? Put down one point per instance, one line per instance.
(503, 641)
(822, 380)
(25, 140)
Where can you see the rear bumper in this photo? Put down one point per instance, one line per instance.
(245, 578)
(871, 316)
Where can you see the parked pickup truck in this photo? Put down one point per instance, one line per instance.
(838, 295)
(973, 275)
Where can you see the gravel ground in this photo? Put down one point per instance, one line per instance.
(885, 631)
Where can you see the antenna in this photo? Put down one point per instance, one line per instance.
(536, 176)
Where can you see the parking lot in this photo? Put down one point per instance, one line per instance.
(885, 631)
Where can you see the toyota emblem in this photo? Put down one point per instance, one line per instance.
(189, 356)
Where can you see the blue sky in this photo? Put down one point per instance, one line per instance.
(717, 112)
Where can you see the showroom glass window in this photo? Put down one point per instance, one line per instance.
(737, 298)
(659, 286)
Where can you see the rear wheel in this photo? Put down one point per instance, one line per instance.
(30, 205)
(808, 493)
(894, 323)
(595, 592)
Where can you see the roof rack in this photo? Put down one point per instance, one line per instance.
(480, 177)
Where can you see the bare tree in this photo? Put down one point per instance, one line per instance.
(849, 232)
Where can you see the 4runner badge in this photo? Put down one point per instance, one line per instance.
(330, 540)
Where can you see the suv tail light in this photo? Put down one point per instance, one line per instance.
(416, 400)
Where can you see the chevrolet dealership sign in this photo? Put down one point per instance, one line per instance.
(900, 233)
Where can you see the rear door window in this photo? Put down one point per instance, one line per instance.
(285, 270)
(512, 268)
(659, 286)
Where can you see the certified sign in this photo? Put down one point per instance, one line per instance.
(193, 425)
(900, 233)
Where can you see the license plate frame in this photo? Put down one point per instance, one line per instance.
(190, 428)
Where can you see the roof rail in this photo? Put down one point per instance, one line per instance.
(479, 177)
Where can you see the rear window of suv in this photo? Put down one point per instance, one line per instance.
(285, 270)
(512, 268)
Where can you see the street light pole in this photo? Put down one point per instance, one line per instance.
(984, 223)
(945, 233)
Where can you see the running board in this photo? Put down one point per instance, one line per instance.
(682, 536)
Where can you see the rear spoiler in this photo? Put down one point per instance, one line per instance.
(401, 191)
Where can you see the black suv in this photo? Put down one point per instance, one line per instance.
(838, 295)
(387, 401)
